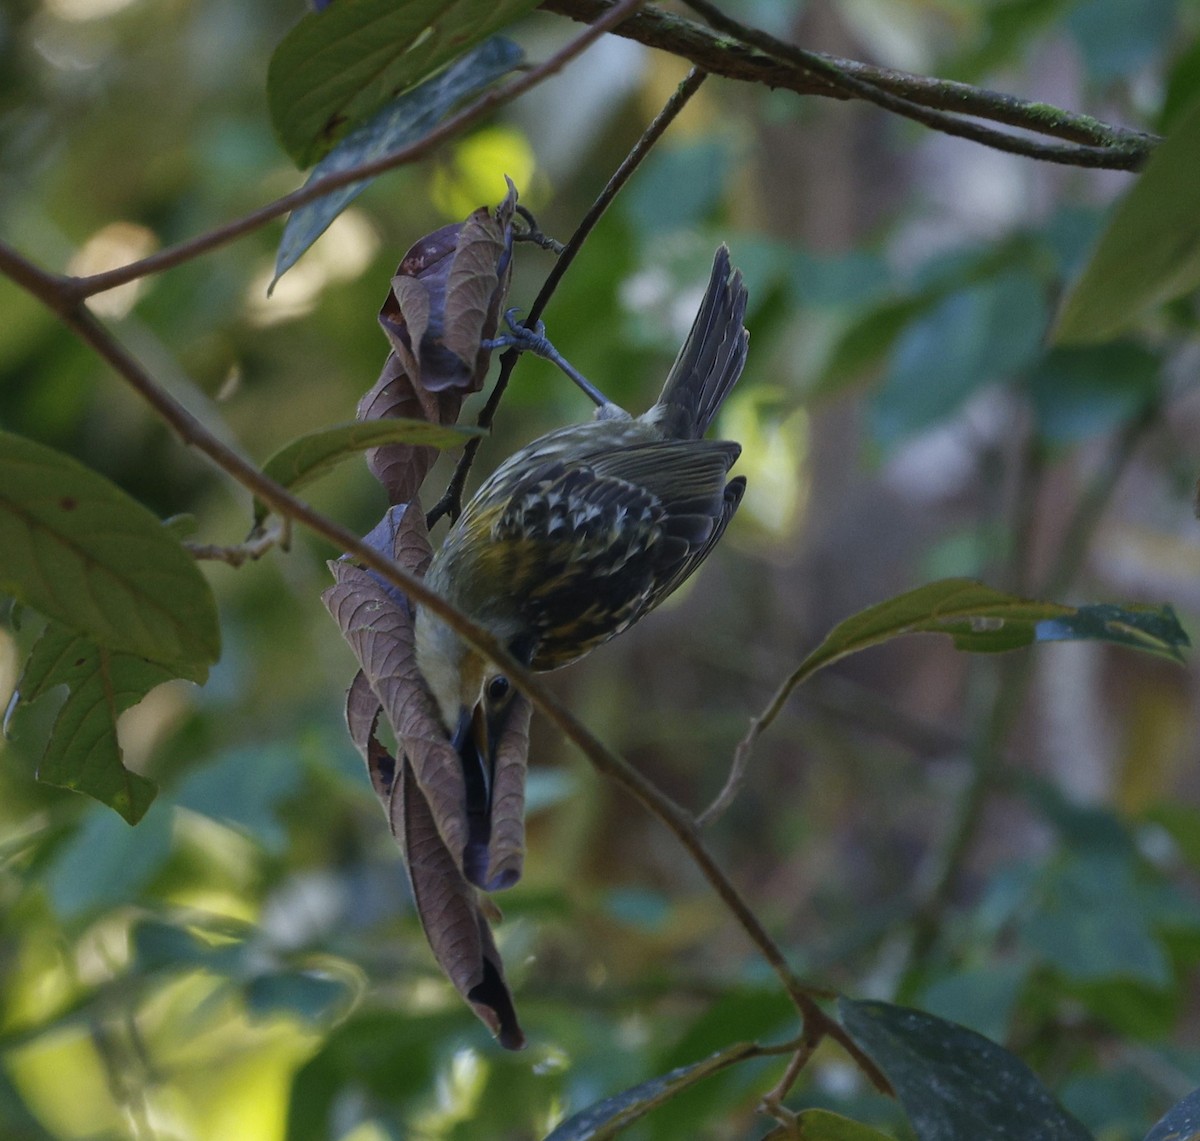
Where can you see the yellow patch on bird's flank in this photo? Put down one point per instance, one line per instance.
(474, 176)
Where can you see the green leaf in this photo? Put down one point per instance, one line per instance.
(974, 615)
(105, 863)
(866, 342)
(1152, 629)
(79, 550)
(678, 186)
(1082, 392)
(1092, 920)
(83, 752)
(314, 997)
(608, 1117)
(954, 1083)
(337, 67)
(245, 788)
(1181, 1122)
(983, 620)
(1150, 251)
(973, 336)
(821, 1125)
(395, 126)
(981, 998)
(311, 456)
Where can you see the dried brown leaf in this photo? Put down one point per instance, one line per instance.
(443, 303)
(402, 468)
(477, 284)
(363, 711)
(380, 633)
(506, 846)
(453, 921)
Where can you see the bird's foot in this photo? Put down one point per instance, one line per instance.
(534, 340)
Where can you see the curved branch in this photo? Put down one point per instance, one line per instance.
(747, 54)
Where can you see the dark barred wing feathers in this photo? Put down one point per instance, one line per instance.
(591, 547)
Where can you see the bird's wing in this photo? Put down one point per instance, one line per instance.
(589, 552)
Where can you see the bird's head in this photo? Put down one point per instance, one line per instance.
(473, 697)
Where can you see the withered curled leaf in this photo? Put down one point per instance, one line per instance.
(444, 304)
(453, 920)
(422, 791)
(380, 633)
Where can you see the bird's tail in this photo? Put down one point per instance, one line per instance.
(711, 359)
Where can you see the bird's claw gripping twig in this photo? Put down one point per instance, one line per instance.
(534, 340)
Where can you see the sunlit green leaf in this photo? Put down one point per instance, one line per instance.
(400, 123)
(338, 66)
(1180, 1123)
(1150, 251)
(79, 550)
(317, 453)
(954, 1083)
(609, 1117)
(83, 752)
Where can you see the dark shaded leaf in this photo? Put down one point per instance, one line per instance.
(83, 752)
(1180, 1123)
(79, 550)
(1078, 393)
(314, 997)
(506, 840)
(609, 1117)
(311, 456)
(337, 67)
(1152, 629)
(821, 1125)
(986, 332)
(1150, 251)
(954, 1083)
(107, 863)
(451, 916)
(402, 122)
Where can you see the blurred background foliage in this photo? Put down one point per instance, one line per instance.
(1012, 843)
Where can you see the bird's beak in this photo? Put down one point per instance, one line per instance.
(475, 749)
(475, 740)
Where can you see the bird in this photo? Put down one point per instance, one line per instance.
(582, 532)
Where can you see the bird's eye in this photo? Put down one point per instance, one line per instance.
(498, 689)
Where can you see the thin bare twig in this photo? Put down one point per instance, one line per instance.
(744, 54)
(451, 500)
(74, 289)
